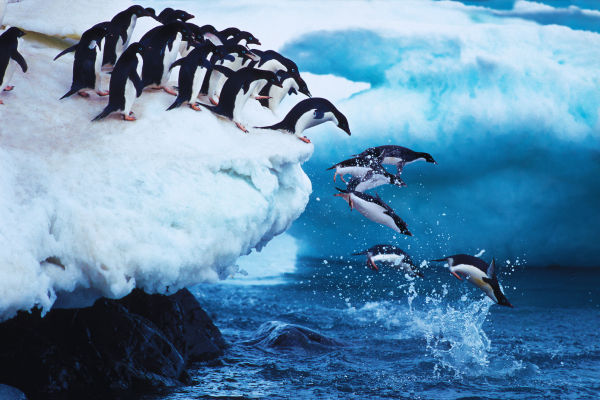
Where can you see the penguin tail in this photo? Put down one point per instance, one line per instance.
(343, 190)
(362, 253)
(104, 113)
(331, 168)
(176, 104)
(69, 93)
(440, 260)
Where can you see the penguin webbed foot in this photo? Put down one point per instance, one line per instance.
(166, 89)
(8, 88)
(1, 102)
(195, 107)
(214, 102)
(84, 94)
(304, 139)
(242, 127)
(129, 117)
(262, 97)
(104, 93)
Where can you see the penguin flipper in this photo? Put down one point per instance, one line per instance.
(352, 184)
(107, 110)
(69, 50)
(176, 103)
(15, 55)
(170, 44)
(491, 272)
(224, 70)
(177, 63)
(292, 91)
(137, 82)
(74, 89)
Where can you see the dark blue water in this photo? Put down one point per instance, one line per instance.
(433, 338)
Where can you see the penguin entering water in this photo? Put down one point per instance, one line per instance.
(162, 53)
(10, 57)
(237, 91)
(396, 155)
(120, 30)
(479, 274)
(391, 256)
(374, 209)
(125, 83)
(88, 63)
(309, 113)
(358, 167)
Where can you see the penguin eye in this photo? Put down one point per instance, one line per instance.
(293, 70)
(250, 38)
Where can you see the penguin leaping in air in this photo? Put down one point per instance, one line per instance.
(374, 209)
(390, 256)
(479, 274)
(396, 155)
(309, 113)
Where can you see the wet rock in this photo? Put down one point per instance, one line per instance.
(275, 334)
(139, 341)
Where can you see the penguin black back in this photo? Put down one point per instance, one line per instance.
(9, 50)
(118, 28)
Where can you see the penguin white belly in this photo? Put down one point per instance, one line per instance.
(98, 65)
(185, 48)
(475, 277)
(241, 98)
(169, 58)
(130, 92)
(234, 65)
(389, 258)
(273, 66)
(308, 120)
(8, 73)
(356, 171)
(277, 94)
(374, 182)
(374, 212)
(122, 45)
(392, 160)
(197, 83)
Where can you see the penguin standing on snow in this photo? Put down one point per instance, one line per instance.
(10, 57)
(308, 113)
(191, 75)
(391, 256)
(162, 53)
(374, 209)
(237, 90)
(125, 83)
(274, 95)
(479, 274)
(120, 30)
(396, 155)
(88, 63)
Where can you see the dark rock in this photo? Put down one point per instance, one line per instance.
(275, 334)
(139, 341)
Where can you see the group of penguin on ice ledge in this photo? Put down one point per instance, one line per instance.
(215, 66)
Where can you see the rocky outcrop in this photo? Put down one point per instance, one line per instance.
(280, 335)
(138, 341)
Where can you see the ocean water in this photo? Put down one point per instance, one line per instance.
(400, 338)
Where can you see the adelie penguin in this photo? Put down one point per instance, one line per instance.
(87, 65)
(309, 113)
(390, 256)
(273, 95)
(396, 155)
(374, 209)
(10, 57)
(191, 74)
(374, 178)
(358, 167)
(125, 83)
(120, 29)
(237, 91)
(479, 274)
(162, 53)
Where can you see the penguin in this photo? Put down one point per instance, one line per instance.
(396, 155)
(162, 52)
(239, 36)
(88, 63)
(391, 256)
(10, 57)
(125, 83)
(358, 167)
(274, 95)
(190, 76)
(120, 30)
(213, 78)
(237, 90)
(479, 274)
(374, 209)
(308, 113)
(374, 178)
(271, 60)
(163, 14)
(174, 15)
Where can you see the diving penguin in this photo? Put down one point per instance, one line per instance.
(374, 178)
(479, 274)
(391, 256)
(87, 65)
(308, 113)
(10, 57)
(125, 83)
(396, 155)
(374, 209)
(358, 167)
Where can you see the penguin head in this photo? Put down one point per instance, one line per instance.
(250, 39)
(139, 11)
(302, 86)
(342, 121)
(502, 300)
(428, 157)
(272, 78)
(401, 225)
(181, 15)
(208, 29)
(13, 32)
(139, 48)
(163, 14)
(151, 12)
